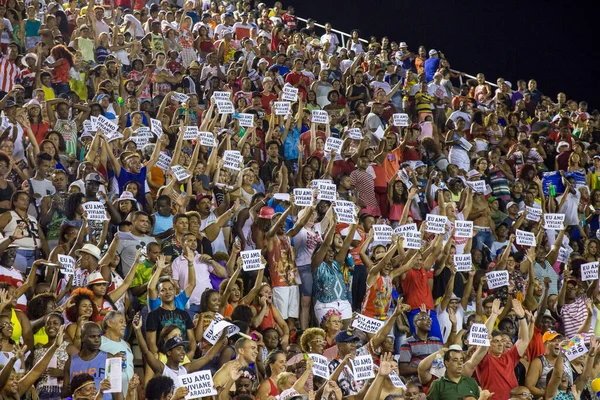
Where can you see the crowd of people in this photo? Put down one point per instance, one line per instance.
(239, 200)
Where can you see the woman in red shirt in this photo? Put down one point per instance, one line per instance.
(63, 61)
(34, 115)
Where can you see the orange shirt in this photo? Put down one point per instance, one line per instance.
(157, 176)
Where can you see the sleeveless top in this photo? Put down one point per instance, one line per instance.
(268, 321)
(51, 389)
(274, 392)
(58, 217)
(174, 374)
(32, 28)
(6, 194)
(162, 224)
(95, 367)
(17, 328)
(282, 268)
(377, 301)
(31, 239)
(68, 130)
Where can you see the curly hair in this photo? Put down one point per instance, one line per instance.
(72, 313)
(36, 308)
(308, 337)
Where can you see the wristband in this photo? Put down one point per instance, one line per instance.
(11, 237)
(520, 318)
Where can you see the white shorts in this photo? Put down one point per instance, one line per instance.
(342, 306)
(287, 301)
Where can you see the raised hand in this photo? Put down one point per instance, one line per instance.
(180, 393)
(137, 322)
(385, 366)
(496, 309)
(517, 308)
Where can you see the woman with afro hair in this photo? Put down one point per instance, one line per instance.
(80, 309)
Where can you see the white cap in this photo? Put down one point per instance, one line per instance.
(402, 44)
(562, 144)
(432, 52)
(126, 195)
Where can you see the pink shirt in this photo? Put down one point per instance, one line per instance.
(202, 269)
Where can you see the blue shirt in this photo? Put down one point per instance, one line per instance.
(290, 146)
(431, 66)
(329, 283)
(282, 69)
(180, 301)
(126, 176)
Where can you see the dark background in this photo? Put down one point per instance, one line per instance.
(553, 42)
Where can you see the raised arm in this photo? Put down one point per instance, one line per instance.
(150, 358)
(523, 339)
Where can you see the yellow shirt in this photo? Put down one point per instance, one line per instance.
(48, 93)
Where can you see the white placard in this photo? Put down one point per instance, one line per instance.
(95, 211)
(334, 144)
(525, 238)
(113, 136)
(465, 144)
(114, 373)
(246, 120)
(225, 107)
(68, 265)
(199, 384)
(436, 223)
(94, 121)
(326, 191)
(478, 335)
(190, 133)
(463, 262)
(396, 381)
(554, 221)
(180, 97)
(140, 142)
(164, 161)
(290, 93)
(87, 126)
(156, 127)
(283, 108)
(315, 182)
(303, 197)
(411, 235)
(576, 348)
(362, 367)
(379, 133)
(180, 173)
(282, 196)
(355, 133)
(106, 126)
(400, 119)
(321, 365)
(143, 131)
(477, 186)
(366, 324)
(213, 332)
(496, 279)
(533, 214)
(589, 271)
(345, 211)
(251, 260)
(232, 159)
(563, 254)
(207, 139)
(320, 117)
(382, 233)
(463, 229)
(222, 96)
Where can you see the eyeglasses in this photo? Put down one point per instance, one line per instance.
(526, 395)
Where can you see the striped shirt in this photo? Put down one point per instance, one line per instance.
(9, 72)
(573, 316)
(365, 186)
(414, 350)
(532, 157)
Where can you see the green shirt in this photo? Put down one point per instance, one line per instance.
(445, 389)
(143, 274)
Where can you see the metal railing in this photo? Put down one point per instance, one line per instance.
(346, 36)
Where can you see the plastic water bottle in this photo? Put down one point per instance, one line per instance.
(124, 362)
(552, 190)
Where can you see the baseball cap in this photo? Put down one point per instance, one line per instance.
(419, 163)
(510, 204)
(94, 177)
(402, 44)
(345, 337)
(455, 347)
(266, 212)
(432, 52)
(550, 335)
(492, 199)
(175, 342)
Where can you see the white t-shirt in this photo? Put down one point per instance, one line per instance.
(7, 31)
(305, 243)
(444, 321)
(219, 243)
(331, 38)
(570, 207)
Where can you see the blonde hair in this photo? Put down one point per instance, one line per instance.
(308, 337)
(282, 380)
